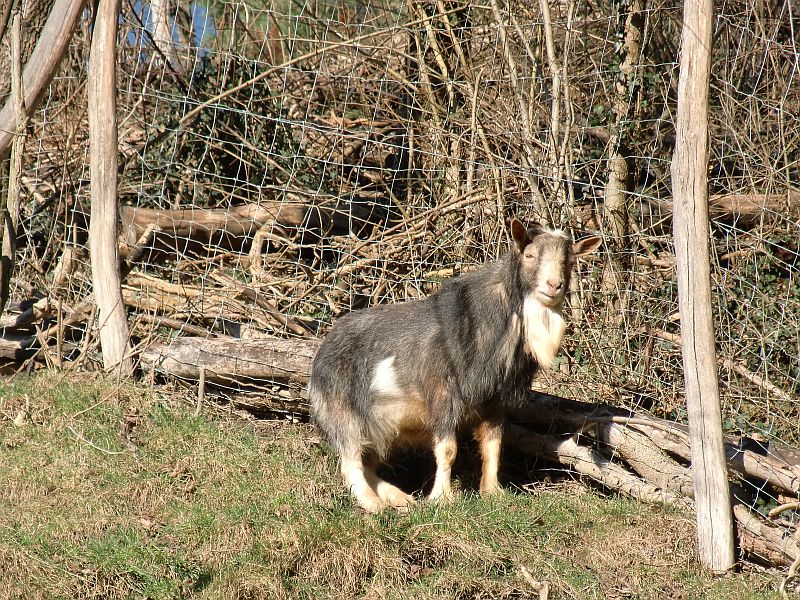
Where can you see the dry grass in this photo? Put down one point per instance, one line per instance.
(120, 492)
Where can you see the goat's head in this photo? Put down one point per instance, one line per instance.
(546, 259)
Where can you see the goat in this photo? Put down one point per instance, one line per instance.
(416, 372)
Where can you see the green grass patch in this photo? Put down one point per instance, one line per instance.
(121, 492)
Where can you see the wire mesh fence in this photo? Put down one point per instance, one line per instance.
(284, 163)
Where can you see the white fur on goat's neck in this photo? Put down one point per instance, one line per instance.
(542, 325)
(543, 328)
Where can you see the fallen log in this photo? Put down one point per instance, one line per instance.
(763, 541)
(743, 210)
(586, 461)
(233, 227)
(229, 361)
(749, 458)
(19, 348)
(37, 311)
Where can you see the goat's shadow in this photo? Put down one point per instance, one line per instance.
(413, 469)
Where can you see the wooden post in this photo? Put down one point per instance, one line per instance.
(691, 235)
(103, 248)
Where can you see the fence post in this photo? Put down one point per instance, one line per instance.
(691, 236)
(103, 250)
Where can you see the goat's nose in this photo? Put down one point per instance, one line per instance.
(555, 285)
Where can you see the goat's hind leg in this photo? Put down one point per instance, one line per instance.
(356, 473)
(357, 478)
(341, 424)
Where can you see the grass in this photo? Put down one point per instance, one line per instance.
(121, 492)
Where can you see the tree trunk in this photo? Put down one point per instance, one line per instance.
(9, 215)
(103, 247)
(42, 65)
(631, 21)
(691, 234)
(163, 37)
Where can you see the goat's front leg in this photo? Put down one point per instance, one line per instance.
(444, 450)
(489, 434)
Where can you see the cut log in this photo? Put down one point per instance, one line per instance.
(151, 294)
(771, 462)
(229, 361)
(645, 457)
(751, 207)
(763, 541)
(743, 210)
(565, 450)
(37, 311)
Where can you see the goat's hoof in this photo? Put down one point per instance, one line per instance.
(404, 509)
(372, 505)
(492, 490)
(442, 497)
(402, 504)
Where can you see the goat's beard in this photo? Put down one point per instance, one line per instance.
(543, 328)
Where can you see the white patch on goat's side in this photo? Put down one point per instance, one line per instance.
(543, 329)
(395, 414)
(384, 379)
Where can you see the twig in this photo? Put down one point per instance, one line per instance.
(59, 336)
(352, 42)
(176, 324)
(87, 338)
(529, 154)
(251, 294)
(93, 445)
(102, 400)
(542, 587)
(555, 88)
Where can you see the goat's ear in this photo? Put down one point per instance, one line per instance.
(520, 234)
(586, 246)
